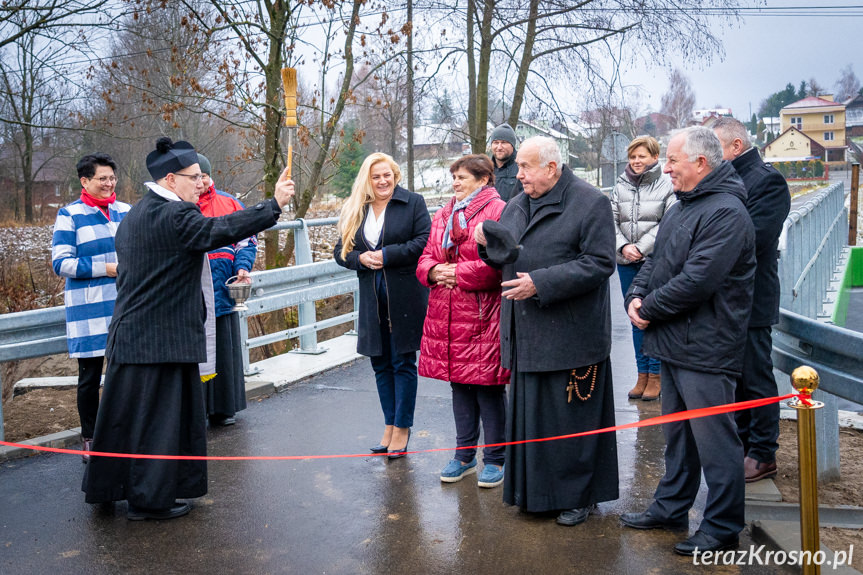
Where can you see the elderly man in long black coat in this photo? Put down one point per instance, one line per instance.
(556, 338)
(768, 202)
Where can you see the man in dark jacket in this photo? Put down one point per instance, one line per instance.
(153, 399)
(693, 296)
(503, 151)
(555, 332)
(768, 202)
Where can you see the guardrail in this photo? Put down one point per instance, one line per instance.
(812, 248)
(813, 241)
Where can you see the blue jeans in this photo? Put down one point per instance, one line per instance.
(646, 364)
(396, 377)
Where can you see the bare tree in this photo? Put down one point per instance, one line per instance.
(848, 85)
(541, 45)
(21, 18)
(814, 89)
(679, 101)
(36, 92)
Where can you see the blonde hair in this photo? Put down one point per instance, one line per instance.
(648, 142)
(362, 193)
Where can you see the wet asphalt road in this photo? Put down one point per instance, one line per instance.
(364, 515)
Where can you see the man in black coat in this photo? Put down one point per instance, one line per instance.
(555, 332)
(153, 399)
(693, 296)
(504, 146)
(768, 202)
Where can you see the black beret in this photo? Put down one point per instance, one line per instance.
(170, 157)
(501, 246)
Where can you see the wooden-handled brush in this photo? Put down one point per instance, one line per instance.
(289, 82)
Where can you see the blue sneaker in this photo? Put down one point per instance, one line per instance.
(491, 476)
(455, 470)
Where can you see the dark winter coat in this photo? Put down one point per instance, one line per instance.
(568, 250)
(160, 313)
(406, 229)
(505, 181)
(768, 202)
(461, 335)
(697, 285)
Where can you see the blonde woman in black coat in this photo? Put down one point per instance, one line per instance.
(383, 229)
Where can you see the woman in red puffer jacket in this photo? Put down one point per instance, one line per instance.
(461, 334)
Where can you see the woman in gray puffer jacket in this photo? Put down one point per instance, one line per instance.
(639, 199)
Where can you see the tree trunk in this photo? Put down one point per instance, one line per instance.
(27, 169)
(471, 72)
(279, 14)
(410, 97)
(480, 133)
(329, 127)
(524, 68)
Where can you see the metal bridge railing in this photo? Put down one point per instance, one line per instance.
(812, 249)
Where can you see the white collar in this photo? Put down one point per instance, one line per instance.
(164, 192)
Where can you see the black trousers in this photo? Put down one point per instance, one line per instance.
(758, 428)
(89, 380)
(472, 403)
(710, 444)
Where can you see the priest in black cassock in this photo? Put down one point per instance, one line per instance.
(153, 398)
(555, 335)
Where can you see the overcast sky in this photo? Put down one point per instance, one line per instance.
(765, 53)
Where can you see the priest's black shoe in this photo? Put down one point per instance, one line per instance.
(139, 513)
(645, 520)
(704, 542)
(570, 517)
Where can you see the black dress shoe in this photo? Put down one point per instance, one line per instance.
(399, 453)
(570, 517)
(704, 542)
(379, 448)
(645, 520)
(140, 514)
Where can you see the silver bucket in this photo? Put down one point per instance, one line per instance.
(239, 292)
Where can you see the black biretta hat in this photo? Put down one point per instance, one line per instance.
(170, 157)
(501, 246)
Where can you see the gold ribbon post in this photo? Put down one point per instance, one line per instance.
(805, 381)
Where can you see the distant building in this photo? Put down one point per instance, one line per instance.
(854, 117)
(525, 130)
(820, 118)
(792, 145)
(700, 117)
(772, 126)
(438, 141)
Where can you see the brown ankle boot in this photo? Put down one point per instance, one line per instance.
(654, 386)
(635, 392)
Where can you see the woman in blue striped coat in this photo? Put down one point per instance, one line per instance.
(83, 252)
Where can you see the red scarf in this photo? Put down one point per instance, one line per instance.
(101, 203)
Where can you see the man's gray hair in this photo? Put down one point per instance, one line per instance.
(701, 141)
(729, 129)
(548, 151)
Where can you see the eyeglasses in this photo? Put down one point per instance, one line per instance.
(195, 177)
(106, 179)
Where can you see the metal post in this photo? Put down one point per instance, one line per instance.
(852, 216)
(805, 381)
(306, 314)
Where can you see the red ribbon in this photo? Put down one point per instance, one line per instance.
(671, 417)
